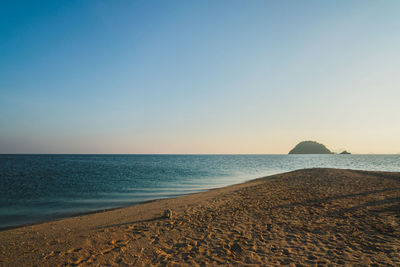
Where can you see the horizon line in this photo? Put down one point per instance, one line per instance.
(190, 154)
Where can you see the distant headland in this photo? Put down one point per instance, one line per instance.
(312, 147)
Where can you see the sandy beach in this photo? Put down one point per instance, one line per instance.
(312, 217)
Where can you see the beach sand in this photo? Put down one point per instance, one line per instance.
(321, 217)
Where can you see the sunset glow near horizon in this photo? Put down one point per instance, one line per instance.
(199, 76)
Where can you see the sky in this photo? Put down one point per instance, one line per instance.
(188, 77)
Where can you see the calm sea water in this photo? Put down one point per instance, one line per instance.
(40, 187)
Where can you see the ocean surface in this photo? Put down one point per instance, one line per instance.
(36, 188)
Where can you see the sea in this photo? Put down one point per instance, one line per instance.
(36, 188)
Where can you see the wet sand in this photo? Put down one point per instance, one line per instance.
(323, 217)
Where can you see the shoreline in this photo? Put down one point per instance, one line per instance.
(79, 214)
(305, 216)
(75, 215)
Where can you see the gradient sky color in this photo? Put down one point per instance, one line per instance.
(199, 76)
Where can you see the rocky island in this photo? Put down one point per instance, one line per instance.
(310, 147)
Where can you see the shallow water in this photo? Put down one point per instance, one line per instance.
(41, 187)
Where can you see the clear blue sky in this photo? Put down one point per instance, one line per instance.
(199, 76)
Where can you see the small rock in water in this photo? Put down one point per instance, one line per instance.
(168, 213)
